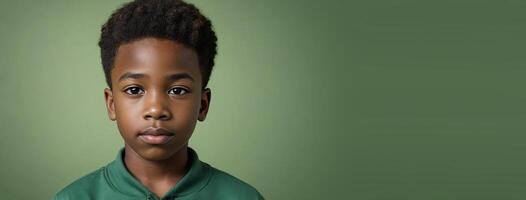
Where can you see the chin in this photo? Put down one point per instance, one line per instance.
(156, 153)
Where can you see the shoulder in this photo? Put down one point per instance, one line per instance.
(231, 186)
(85, 186)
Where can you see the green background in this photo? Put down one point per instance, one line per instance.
(369, 99)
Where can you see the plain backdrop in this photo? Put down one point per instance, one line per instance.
(333, 99)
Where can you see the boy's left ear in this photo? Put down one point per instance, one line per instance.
(206, 96)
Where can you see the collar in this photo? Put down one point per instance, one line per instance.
(193, 181)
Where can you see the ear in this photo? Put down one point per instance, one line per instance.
(206, 96)
(108, 97)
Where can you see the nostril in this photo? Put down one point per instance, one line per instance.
(161, 117)
(157, 114)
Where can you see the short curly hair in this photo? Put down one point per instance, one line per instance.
(167, 19)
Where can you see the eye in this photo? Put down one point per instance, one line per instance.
(133, 90)
(178, 91)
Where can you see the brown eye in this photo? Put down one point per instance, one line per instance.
(178, 91)
(133, 90)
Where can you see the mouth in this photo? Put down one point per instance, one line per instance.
(156, 136)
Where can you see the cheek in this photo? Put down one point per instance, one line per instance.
(127, 114)
(185, 122)
(186, 112)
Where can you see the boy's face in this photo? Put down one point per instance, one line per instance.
(156, 83)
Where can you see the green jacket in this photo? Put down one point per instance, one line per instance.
(114, 182)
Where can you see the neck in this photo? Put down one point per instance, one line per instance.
(151, 173)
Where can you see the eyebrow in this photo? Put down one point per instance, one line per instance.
(171, 77)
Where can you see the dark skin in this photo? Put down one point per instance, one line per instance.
(154, 100)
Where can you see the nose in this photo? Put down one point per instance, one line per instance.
(156, 107)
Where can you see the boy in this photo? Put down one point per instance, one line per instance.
(157, 57)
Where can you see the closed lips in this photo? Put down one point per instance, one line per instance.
(156, 136)
(156, 132)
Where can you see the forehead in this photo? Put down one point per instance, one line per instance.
(155, 57)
